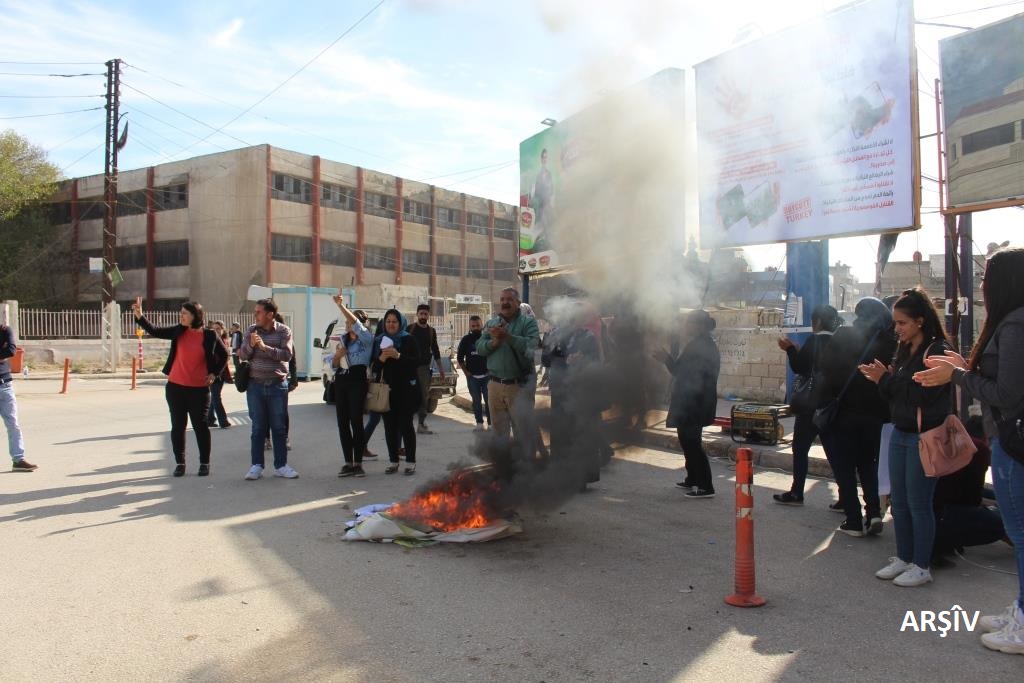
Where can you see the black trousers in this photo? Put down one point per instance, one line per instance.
(349, 400)
(698, 469)
(399, 430)
(957, 526)
(855, 440)
(189, 404)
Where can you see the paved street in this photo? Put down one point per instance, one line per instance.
(115, 571)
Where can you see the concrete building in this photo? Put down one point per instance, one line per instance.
(208, 227)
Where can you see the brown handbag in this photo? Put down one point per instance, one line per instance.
(945, 449)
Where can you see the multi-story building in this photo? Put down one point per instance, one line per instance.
(208, 227)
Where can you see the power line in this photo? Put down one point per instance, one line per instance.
(46, 97)
(87, 130)
(296, 73)
(190, 117)
(51, 75)
(64, 170)
(52, 63)
(56, 113)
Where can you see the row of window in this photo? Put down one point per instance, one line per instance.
(290, 188)
(300, 249)
(165, 198)
(133, 257)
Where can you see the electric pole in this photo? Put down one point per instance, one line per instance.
(110, 176)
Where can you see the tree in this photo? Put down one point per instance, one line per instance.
(26, 177)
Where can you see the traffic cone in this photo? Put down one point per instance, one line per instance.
(745, 595)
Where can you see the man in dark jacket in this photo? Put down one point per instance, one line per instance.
(855, 435)
(9, 404)
(426, 341)
(474, 366)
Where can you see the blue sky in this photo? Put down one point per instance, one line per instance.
(435, 90)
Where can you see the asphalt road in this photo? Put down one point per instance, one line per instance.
(115, 571)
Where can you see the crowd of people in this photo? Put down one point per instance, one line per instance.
(868, 391)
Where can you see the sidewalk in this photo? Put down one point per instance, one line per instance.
(717, 440)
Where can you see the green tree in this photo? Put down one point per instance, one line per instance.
(26, 177)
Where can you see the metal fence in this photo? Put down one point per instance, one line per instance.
(39, 324)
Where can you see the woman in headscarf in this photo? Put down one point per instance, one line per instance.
(394, 358)
(855, 434)
(694, 399)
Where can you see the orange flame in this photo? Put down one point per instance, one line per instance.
(461, 502)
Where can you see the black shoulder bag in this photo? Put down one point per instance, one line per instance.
(826, 415)
(807, 388)
(242, 376)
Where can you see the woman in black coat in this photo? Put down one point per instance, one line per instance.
(394, 357)
(694, 399)
(197, 358)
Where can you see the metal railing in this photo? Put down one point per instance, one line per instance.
(40, 324)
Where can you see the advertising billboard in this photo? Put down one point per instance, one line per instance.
(586, 182)
(982, 74)
(811, 133)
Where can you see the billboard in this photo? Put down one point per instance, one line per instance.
(982, 75)
(585, 182)
(811, 133)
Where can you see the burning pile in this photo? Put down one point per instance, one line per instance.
(459, 509)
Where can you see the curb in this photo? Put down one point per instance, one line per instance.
(717, 446)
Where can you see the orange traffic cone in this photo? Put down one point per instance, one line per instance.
(745, 595)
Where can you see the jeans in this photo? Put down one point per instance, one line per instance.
(9, 412)
(478, 390)
(804, 433)
(1008, 481)
(698, 469)
(372, 420)
(268, 408)
(216, 412)
(884, 484)
(912, 496)
(349, 401)
(854, 440)
(189, 404)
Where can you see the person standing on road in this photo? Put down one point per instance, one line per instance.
(856, 431)
(196, 359)
(350, 362)
(267, 345)
(395, 357)
(9, 404)
(217, 411)
(995, 376)
(694, 399)
(508, 342)
(474, 366)
(803, 361)
(426, 341)
(236, 343)
(915, 410)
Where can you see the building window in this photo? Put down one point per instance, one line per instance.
(449, 265)
(382, 205)
(291, 248)
(131, 257)
(505, 271)
(170, 254)
(337, 253)
(339, 197)
(380, 258)
(416, 212)
(477, 223)
(291, 189)
(478, 268)
(91, 208)
(988, 138)
(415, 261)
(449, 218)
(504, 229)
(131, 203)
(170, 197)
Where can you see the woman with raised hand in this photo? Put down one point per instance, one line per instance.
(350, 361)
(196, 359)
(995, 376)
(394, 357)
(914, 410)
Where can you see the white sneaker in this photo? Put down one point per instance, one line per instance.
(913, 576)
(287, 472)
(895, 567)
(1011, 638)
(999, 621)
(479, 428)
(254, 473)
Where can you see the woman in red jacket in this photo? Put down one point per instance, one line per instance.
(196, 359)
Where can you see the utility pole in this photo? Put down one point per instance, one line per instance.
(110, 176)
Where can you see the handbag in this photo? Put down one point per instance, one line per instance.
(807, 388)
(945, 449)
(378, 396)
(1011, 434)
(242, 376)
(826, 415)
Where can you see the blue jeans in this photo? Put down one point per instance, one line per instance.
(478, 390)
(9, 412)
(371, 424)
(1008, 481)
(268, 407)
(912, 496)
(217, 411)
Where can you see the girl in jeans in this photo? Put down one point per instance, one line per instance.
(995, 375)
(914, 409)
